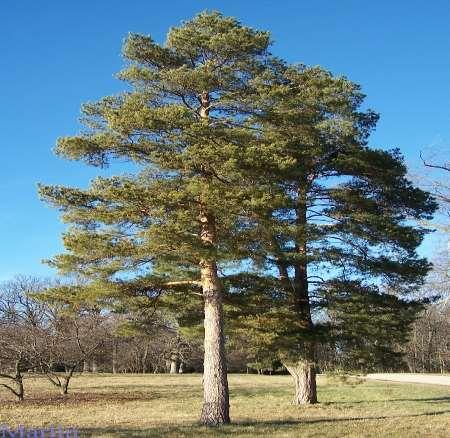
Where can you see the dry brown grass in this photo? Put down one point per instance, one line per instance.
(169, 405)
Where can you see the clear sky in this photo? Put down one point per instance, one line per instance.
(58, 54)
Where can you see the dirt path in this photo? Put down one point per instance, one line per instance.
(434, 379)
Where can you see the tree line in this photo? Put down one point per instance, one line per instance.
(39, 338)
(53, 340)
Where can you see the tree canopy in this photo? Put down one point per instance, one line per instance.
(254, 184)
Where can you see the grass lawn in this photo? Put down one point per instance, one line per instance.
(107, 405)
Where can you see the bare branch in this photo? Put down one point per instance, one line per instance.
(434, 166)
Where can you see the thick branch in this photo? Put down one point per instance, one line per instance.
(182, 283)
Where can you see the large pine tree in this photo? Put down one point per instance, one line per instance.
(240, 159)
(335, 233)
(169, 226)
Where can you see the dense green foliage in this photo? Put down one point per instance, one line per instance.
(142, 231)
(338, 231)
(309, 221)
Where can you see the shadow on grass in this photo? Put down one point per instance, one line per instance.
(256, 392)
(75, 398)
(351, 402)
(149, 388)
(254, 428)
(435, 399)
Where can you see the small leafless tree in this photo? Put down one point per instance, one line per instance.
(22, 322)
(73, 338)
(49, 338)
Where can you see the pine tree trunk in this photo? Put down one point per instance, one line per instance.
(173, 366)
(301, 361)
(215, 383)
(303, 370)
(304, 376)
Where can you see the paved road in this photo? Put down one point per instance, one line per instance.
(435, 379)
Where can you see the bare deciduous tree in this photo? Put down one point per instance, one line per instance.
(21, 328)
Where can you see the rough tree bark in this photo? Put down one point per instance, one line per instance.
(302, 368)
(215, 383)
(304, 375)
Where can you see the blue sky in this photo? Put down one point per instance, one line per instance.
(59, 54)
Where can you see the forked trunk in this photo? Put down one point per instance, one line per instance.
(304, 376)
(215, 384)
(64, 389)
